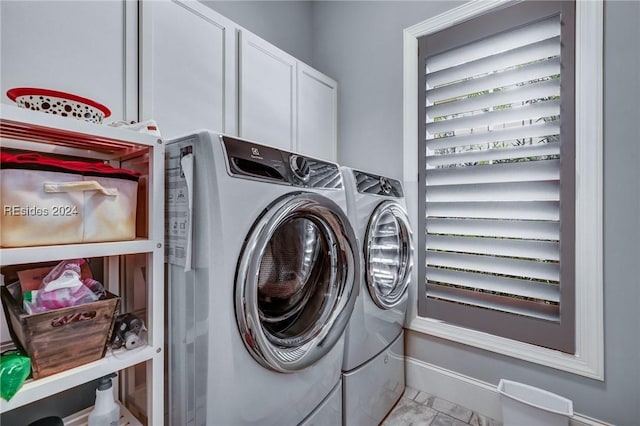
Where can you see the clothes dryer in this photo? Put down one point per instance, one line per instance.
(373, 367)
(257, 317)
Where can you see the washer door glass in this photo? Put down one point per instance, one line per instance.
(388, 254)
(295, 282)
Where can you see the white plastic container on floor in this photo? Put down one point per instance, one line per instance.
(524, 405)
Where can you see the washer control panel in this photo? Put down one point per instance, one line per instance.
(249, 160)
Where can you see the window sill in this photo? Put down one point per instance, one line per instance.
(576, 364)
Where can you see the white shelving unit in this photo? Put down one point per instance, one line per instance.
(82, 418)
(27, 130)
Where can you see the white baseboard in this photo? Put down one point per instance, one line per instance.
(466, 391)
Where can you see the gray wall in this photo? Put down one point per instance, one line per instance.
(360, 45)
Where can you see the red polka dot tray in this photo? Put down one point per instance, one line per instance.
(59, 103)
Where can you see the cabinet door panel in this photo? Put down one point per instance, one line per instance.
(71, 46)
(317, 114)
(184, 67)
(267, 93)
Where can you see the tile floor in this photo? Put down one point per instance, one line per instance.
(421, 409)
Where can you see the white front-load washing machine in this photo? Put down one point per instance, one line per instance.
(373, 377)
(256, 318)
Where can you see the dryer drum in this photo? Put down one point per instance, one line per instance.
(295, 281)
(387, 254)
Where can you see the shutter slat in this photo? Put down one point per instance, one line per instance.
(498, 43)
(514, 286)
(500, 247)
(529, 171)
(492, 118)
(535, 71)
(538, 230)
(495, 265)
(526, 191)
(537, 150)
(532, 52)
(534, 112)
(508, 96)
(491, 301)
(521, 132)
(532, 210)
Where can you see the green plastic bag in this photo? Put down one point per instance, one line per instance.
(15, 367)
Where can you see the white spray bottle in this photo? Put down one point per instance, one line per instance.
(105, 412)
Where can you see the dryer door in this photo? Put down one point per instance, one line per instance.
(295, 281)
(388, 254)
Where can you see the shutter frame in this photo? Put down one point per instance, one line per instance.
(557, 334)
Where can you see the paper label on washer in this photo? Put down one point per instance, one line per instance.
(179, 206)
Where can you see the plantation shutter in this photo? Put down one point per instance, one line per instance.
(497, 168)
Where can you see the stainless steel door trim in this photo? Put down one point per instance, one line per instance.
(296, 353)
(405, 256)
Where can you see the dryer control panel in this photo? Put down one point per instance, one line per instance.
(249, 160)
(377, 185)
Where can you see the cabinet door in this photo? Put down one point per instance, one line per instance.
(317, 114)
(267, 93)
(188, 71)
(72, 46)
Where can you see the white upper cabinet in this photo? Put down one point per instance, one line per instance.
(80, 47)
(188, 68)
(285, 103)
(317, 114)
(267, 93)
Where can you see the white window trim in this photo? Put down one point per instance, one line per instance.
(589, 358)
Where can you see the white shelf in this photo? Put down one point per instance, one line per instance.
(81, 418)
(35, 127)
(25, 130)
(34, 390)
(12, 256)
